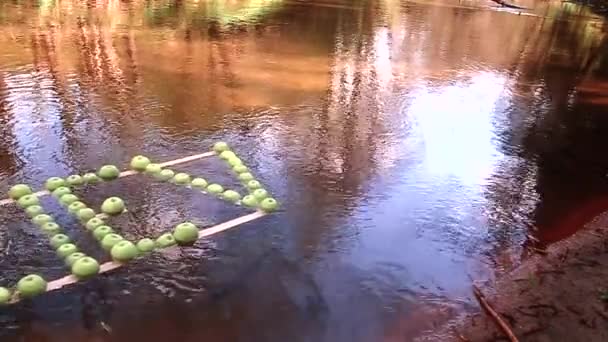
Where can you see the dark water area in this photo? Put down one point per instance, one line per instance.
(415, 146)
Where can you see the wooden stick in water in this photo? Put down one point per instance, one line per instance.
(127, 173)
(112, 265)
(506, 329)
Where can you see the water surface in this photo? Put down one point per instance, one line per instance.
(415, 146)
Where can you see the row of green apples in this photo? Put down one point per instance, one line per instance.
(81, 265)
(258, 196)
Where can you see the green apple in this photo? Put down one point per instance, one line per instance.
(85, 267)
(66, 249)
(234, 161)
(85, 214)
(93, 223)
(185, 233)
(91, 178)
(68, 199)
(110, 240)
(259, 194)
(51, 228)
(74, 207)
(145, 245)
(18, 191)
(231, 196)
(113, 206)
(100, 232)
(5, 295)
(250, 201)
(253, 184)
(199, 183)
(31, 286)
(53, 183)
(165, 175)
(28, 200)
(60, 191)
(165, 240)
(215, 189)
(74, 180)
(58, 240)
(108, 172)
(220, 147)
(227, 155)
(71, 259)
(245, 177)
(139, 163)
(269, 204)
(240, 169)
(41, 219)
(181, 178)
(124, 251)
(153, 169)
(34, 210)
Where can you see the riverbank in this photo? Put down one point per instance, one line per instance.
(558, 296)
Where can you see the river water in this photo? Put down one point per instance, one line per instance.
(414, 146)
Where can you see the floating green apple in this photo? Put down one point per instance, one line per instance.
(185, 233)
(5, 295)
(85, 267)
(108, 172)
(260, 194)
(85, 214)
(124, 251)
(145, 245)
(74, 207)
(68, 199)
(253, 184)
(139, 163)
(74, 180)
(215, 189)
(181, 178)
(165, 175)
(245, 177)
(153, 169)
(19, 190)
(220, 147)
(165, 240)
(234, 161)
(269, 204)
(60, 191)
(71, 259)
(31, 286)
(58, 240)
(100, 232)
(113, 206)
(199, 183)
(227, 155)
(66, 249)
(110, 240)
(91, 178)
(51, 228)
(53, 183)
(240, 169)
(41, 219)
(231, 196)
(28, 200)
(250, 201)
(93, 223)
(34, 210)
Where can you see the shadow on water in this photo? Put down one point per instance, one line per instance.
(414, 146)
